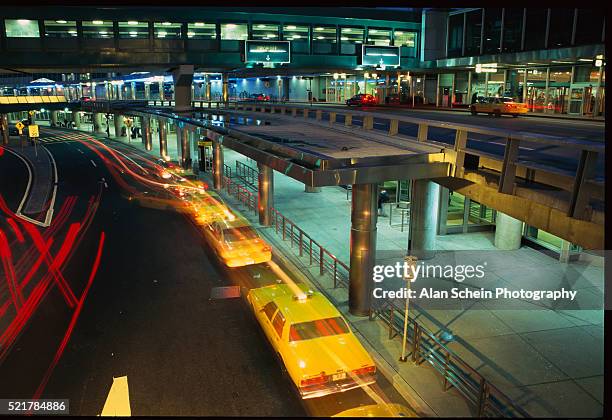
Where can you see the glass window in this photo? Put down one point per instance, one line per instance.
(351, 35)
(492, 30)
(351, 40)
(513, 30)
(269, 309)
(60, 28)
(21, 28)
(455, 35)
(589, 26)
(379, 36)
(561, 24)
(319, 328)
(201, 30)
(234, 31)
(98, 29)
(405, 39)
(264, 31)
(167, 30)
(535, 28)
(324, 40)
(279, 323)
(472, 32)
(133, 29)
(298, 35)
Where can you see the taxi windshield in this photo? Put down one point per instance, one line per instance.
(319, 328)
(243, 233)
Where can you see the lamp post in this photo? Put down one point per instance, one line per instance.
(410, 263)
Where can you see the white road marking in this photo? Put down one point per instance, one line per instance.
(93, 163)
(49, 216)
(118, 399)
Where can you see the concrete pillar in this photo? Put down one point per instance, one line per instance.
(309, 189)
(183, 80)
(265, 193)
(508, 232)
(4, 128)
(225, 77)
(133, 90)
(217, 165)
(146, 132)
(147, 91)
(163, 139)
(54, 117)
(97, 122)
(161, 90)
(564, 253)
(118, 124)
(362, 247)
(424, 219)
(185, 149)
(76, 118)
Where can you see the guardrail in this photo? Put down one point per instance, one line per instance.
(317, 254)
(248, 174)
(426, 347)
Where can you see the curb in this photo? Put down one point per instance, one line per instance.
(408, 393)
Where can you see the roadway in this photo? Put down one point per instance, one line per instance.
(126, 291)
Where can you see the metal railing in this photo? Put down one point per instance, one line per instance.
(227, 171)
(248, 174)
(426, 347)
(317, 254)
(327, 262)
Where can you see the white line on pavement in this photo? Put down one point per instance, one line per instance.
(93, 163)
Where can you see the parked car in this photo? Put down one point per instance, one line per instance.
(362, 99)
(258, 97)
(314, 342)
(498, 106)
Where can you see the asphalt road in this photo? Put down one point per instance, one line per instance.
(147, 313)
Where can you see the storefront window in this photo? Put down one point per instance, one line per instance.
(201, 30)
(478, 85)
(324, 40)
(167, 30)
(21, 28)
(535, 29)
(133, 29)
(461, 89)
(558, 89)
(299, 37)
(455, 35)
(234, 31)
(536, 93)
(351, 40)
(379, 36)
(492, 30)
(472, 32)
(98, 29)
(561, 25)
(513, 30)
(589, 26)
(265, 31)
(60, 28)
(407, 43)
(495, 85)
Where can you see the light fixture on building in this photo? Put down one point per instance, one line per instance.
(97, 22)
(343, 75)
(366, 75)
(132, 22)
(336, 76)
(61, 21)
(291, 27)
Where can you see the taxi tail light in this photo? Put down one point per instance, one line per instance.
(367, 370)
(317, 380)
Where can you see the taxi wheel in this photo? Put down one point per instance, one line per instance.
(497, 114)
(514, 115)
(473, 111)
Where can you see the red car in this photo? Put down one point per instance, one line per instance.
(258, 97)
(363, 99)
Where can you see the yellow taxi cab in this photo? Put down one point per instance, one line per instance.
(498, 106)
(236, 242)
(378, 410)
(161, 200)
(321, 354)
(210, 208)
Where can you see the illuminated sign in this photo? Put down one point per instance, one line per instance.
(380, 55)
(267, 52)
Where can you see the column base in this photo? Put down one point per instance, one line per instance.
(309, 189)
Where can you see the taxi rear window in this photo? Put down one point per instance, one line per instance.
(319, 328)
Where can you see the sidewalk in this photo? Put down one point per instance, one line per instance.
(550, 361)
(536, 358)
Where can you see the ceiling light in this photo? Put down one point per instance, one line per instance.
(61, 21)
(199, 24)
(261, 26)
(97, 22)
(132, 22)
(319, 29)
(166, 23)
(291, 27)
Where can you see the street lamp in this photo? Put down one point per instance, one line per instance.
(409, 276)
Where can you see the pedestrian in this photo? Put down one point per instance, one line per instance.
(383, 197)
(474, 96)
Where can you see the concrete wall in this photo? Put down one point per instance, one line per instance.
(433, 37)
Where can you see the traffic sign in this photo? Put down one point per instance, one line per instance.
(33, 130)
(278, 52)
(32, 112)
(205, 143)
(19, 126)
